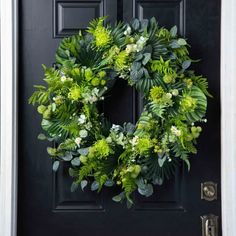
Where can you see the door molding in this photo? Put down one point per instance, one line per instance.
(228, 116)
(8, 126)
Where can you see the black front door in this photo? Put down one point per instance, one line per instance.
(46, 206)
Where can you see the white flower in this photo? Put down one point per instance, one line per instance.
(175, 92)
(134, 141)
(115, 128)
(95, 91)
(83, 133)
(168, 95)
(175, 131)
(78, 141)
(109, 139)
(131, 48)
(205, 120)
(82, 119)
(88, 126)
(64, 79)
(127, 31)
(140, 43)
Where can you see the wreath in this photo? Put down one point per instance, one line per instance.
(155, 62)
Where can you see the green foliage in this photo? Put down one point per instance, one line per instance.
(153, 60)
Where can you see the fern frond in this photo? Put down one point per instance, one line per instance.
(95, 23)
(40, 97)
(202, 83)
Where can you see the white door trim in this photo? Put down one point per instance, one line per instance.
(8, 152)
(8, 96)
(228, 116)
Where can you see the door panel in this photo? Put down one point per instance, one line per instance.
(46, 205)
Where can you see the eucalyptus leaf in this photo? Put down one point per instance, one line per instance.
(83, 184)
(138, 57)
(83, 151)
(161, 161)
(74, 187)
(94, 186)
(117, 198)
(55, 165)
(147, 57)
(144, 24)
(158, 181)
(136, 65)
(129, 128)
(135, 24)
(186, 64)
(174, 44)
(67, 157)
(75, 161)
(109, 183)
(182, 42)
(173, 31)
(72, 172)
(146, 190)
(42, 137)
(134, 75)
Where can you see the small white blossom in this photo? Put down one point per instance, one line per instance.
(78, 141)
(134, 141)
(205, 120)
(88, 126)
(127, 31)
(175, 92)
(115, 128)
(168, 95)
(109, 139)
(131, 48)
(64, 79)
(141, 43)
(83, 133)
(175, 131)
(82, 119)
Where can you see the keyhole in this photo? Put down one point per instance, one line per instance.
(210, 231)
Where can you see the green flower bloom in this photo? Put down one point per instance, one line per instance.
(188, 104)
(169, 78)
(95, 81)
(75, 71)
(100, 149)
(188, 82)
(41, 109)
(102, 36)
(103, 82)
(58, 99)
(75, 93)
(196, 131)
(143, 145)
(88, 73)
(134, 171)
(101, 74)
(48, 112)
(156, 93)
(121, 61)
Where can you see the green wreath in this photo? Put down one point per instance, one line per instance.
(153, 60)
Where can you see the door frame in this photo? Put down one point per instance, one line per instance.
(9, 113)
